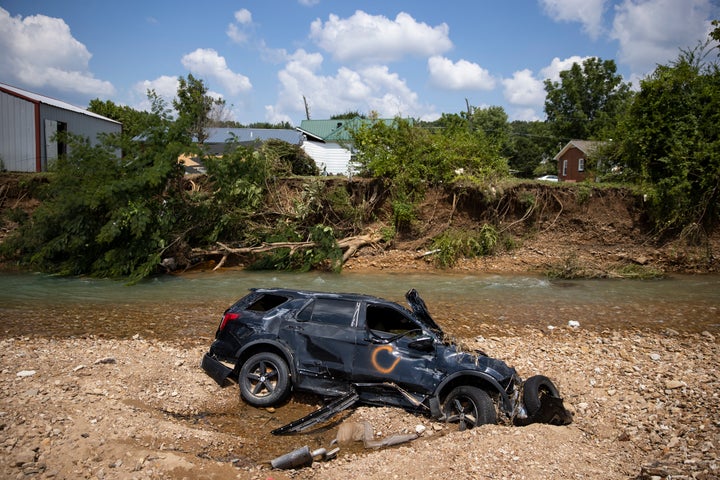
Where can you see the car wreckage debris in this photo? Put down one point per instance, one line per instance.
(362, 349)
(302, 457)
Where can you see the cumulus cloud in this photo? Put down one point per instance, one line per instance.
(552, 71)
(378, 39)
(461, 75)
(652, 32)
(40, 52)
(524, 89)
(206, 62)
(371, 88)
(237, 32)
(588, 12)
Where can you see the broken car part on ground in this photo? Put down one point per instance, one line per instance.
(359, 348)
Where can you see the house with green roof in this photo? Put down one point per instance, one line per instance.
(329, 143)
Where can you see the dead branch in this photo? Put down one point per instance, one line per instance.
(350, 245)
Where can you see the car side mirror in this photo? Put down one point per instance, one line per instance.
(423, 344)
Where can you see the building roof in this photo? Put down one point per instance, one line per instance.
(37, 98)
(251, 135)
(336, 130)
(585, 146)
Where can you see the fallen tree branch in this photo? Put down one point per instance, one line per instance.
(349, 245)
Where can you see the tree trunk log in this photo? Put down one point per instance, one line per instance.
(349, 245)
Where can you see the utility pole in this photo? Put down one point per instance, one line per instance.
(307, 108)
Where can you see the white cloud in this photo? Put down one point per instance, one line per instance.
(243, 16)
(40, 52)
(237, 31)
(370, 88)
(308, 3)
(652, 32)
(524, 89)
(462, 75)
(208, 63)
(552, 71)
(587, 12)
(377, 39)
(164, 86)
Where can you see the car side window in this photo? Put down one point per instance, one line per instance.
(266, 302)
(385, 319)
(329, 311)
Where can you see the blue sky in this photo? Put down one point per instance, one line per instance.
(413, 58)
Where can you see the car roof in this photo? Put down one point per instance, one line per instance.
(315, 294)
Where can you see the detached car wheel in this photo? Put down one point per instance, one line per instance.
(470, 407)
(264, 380)
(534, 390)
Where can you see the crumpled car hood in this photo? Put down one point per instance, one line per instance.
(421, 312)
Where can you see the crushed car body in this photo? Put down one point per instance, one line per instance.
(360, 348)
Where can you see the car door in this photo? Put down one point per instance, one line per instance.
(323, 336)
(392, 348)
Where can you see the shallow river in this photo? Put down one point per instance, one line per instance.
(190, 306)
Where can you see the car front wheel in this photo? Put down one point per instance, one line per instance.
(264, 380)
(470, 407)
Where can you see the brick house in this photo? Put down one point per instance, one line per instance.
(572, 160)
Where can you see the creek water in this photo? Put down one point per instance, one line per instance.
(189, 306)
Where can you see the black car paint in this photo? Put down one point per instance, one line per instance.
(331, 350)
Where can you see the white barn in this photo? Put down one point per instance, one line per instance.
(29, 122)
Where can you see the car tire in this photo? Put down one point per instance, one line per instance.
(534, 389)
(470, 407)
(264, 380)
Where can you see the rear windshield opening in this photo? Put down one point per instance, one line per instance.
(267, 302)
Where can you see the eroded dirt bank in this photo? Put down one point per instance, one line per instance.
(645, 406)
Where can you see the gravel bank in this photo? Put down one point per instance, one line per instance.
(645, 404)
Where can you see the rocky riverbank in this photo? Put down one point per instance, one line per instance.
(645, 405)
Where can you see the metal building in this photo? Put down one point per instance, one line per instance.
(29, 122)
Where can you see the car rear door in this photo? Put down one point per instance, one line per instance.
(323, 337)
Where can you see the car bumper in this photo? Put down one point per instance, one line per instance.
(215, 369)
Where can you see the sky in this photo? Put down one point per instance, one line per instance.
(266, 58)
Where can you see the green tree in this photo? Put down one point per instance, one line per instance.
(671, 139)
(531, 148)
(133, 121)
(194, 107)
(587, 101)
(107, 216)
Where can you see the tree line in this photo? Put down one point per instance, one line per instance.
(133, 215)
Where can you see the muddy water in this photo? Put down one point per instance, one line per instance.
(189, 307)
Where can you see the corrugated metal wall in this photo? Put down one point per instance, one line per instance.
(77, 123)
(329, 157)
(17, 133)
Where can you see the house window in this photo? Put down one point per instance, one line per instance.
(581, 165)
(564, 168)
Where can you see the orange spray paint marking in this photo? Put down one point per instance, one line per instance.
(377, 365)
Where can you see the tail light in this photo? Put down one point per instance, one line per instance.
(227, 318)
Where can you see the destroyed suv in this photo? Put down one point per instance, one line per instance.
(360, 348)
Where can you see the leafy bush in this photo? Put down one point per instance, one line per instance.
(454, 244)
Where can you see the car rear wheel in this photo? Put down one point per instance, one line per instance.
(264, 380)
(470, 407)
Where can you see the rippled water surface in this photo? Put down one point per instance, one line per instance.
(190, 306)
